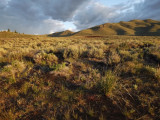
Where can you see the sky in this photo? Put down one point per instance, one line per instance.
(49, 16)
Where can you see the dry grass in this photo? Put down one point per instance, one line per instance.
(112, 77)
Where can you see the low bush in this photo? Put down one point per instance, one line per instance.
(106, 84)
(113, 58)
(44, 58)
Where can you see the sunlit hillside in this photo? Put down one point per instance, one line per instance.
(146, 27)
(62, 34)
(5, 34)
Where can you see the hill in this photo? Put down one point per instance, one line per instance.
(134, 27)
(5, 34)
(62, 34)
(146, 27)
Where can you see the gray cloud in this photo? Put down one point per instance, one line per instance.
(62, 9)
(25, 9)
(98, 14)
(45, 16)
(95, 14)
(3, 4)
(148, 9)
(31, 27)
(56, 9)
(37, 16)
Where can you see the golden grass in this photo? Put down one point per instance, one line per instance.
(111, 77)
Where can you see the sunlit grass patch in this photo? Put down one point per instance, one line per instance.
(79, 77)
(106, 84)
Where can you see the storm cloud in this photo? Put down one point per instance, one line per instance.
(56, 9)
(98, 14)
(46, 16)
(37, 16)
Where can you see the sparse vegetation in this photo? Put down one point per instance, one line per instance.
(110, 77)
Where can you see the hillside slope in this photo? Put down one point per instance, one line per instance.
(62, 34)
(146, 27)
(133, 27)
(4, 34)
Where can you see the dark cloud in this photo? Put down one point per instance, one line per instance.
(3, 4)
(31, 27)
(25, 9)
(56, 9)
(61, 9)
(45, 16)
(148, 9)
(93, 15)
(98, 14)
(37, 16)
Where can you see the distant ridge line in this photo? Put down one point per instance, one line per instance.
(146, 27)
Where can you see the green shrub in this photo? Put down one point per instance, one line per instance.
(96, 53)
(106, 84)
(71, 52)
(113, 58)
(44, 58)
(14, 70)
(125, 55)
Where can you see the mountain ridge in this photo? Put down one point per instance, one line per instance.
(135, 27)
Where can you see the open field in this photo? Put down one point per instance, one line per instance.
(65, 78)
